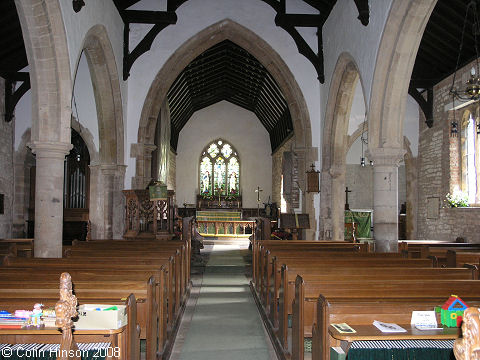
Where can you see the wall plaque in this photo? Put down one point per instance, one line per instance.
(433, 207)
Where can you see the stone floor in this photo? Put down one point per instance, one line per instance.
(221, 320)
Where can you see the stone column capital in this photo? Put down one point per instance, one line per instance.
(385, 156)
(140, 149)
(48, 149)
(336, 171)
(112, 169)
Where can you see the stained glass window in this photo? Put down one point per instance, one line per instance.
(219, 175)
(233, 171)
(206, 176)
(219, 170)
(226, 150)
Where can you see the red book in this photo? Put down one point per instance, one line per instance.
(11, 326)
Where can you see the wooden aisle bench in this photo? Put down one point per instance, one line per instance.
(312, 300)
(151, 306)
(161, 263)
(257, 245)
(280, 316)
(458, 258)
(162, 267)
(124, 342)
(142, 245)
(286, 292)
(265, 254)
(272, 274)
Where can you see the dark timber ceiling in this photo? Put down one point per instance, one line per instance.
(439, 48)
(436, 58)
(12, 50)
(228, 72)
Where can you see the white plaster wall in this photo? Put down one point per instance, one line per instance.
(196, 15)
(85, 110)
(23, 118)
(355, 151)
(77, 25)
(244, 131)
(357, 113)
(344, 33)
(411, 124)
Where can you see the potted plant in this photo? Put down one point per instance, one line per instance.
(457, 199)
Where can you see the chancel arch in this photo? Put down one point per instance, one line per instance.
(263, 52)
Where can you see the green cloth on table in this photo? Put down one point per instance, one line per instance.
(401, 354)
(363, 219)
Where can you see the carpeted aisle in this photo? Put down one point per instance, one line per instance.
(225, 322)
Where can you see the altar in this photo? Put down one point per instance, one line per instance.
(363, 221)
(219, 202)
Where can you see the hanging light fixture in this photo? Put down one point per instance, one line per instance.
(471, 90)
(364, 140)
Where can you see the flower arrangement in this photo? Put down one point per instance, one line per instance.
(457, 199)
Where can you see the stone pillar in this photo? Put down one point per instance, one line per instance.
(325, 223)
(6, 166)
(385, 197)
(337, 174)
(143, 154)
(50, 158)
(106, 201)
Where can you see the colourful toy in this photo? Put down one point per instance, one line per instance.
(452, 311)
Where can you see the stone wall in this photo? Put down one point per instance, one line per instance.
(6, 166)
(439, 172)
(277, 171)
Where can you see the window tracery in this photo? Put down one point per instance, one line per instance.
(219, 170)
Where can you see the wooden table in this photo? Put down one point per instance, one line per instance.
(371, 333)
(43, 335)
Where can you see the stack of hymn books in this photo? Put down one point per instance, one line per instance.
(9, 321)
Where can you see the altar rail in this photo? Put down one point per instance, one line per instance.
(226, 227)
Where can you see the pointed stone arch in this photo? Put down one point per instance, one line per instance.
(107, 171)
(51, 84)
(270, 59)
(108, 98)
(335, 146)
(395, 60)
(396, 56)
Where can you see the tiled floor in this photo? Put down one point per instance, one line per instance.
(221, 320)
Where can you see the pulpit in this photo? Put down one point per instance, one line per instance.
(295, 223)
(146, 219)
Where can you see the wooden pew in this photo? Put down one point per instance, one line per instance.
(320, 261)
(264, 254)
(23, 294)
(155, 308)
(125, 342)
(257, 246)
(286, 291)
(24, 246)
(354, 295)
(458, 258)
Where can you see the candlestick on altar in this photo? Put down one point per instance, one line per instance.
(258, 190)
(219, 191)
